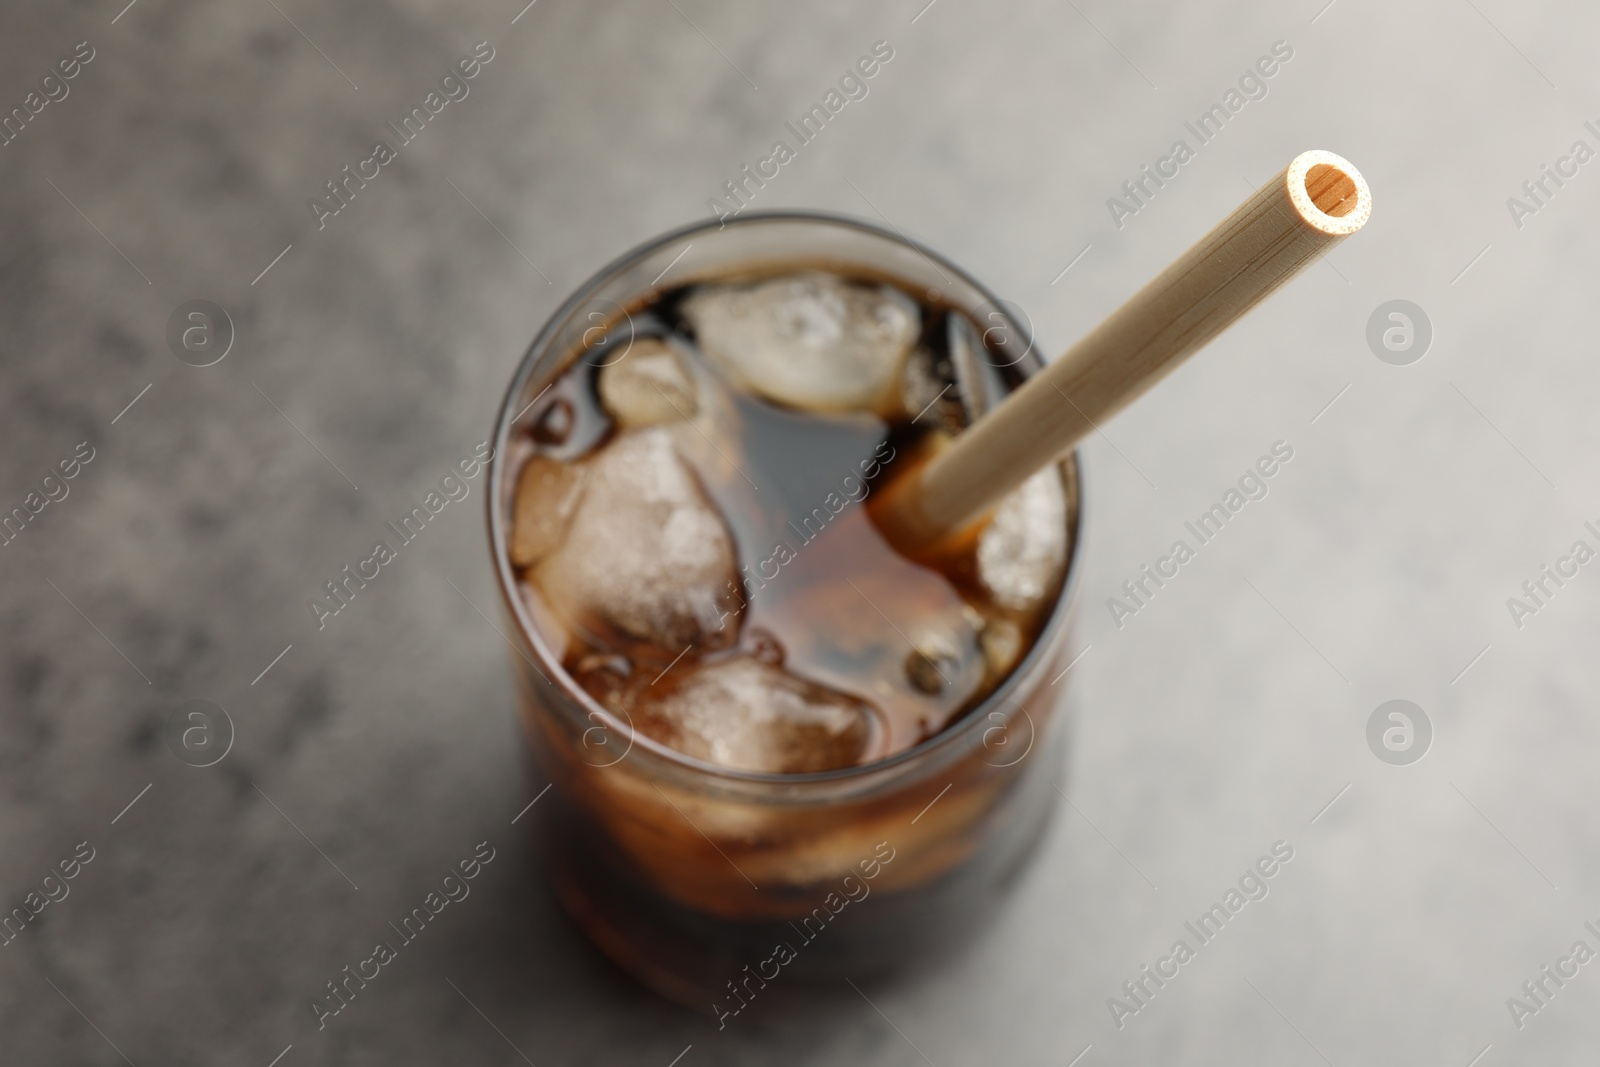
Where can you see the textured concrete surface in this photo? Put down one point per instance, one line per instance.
(1226, 715)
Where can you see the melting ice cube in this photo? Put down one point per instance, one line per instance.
(547, 493)
(744, 713)
(646, 557)
(648, 385)
(809, 340)
(1021, 551)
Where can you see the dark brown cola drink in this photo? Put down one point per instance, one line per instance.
(780, 752)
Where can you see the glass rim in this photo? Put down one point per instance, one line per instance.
(532, 640)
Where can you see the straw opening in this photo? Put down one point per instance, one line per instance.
(1332, 190)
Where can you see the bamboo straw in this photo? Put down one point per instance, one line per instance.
(1314, 203)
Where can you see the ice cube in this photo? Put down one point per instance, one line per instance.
(547, 492)
(929, 398)
(810, 340)
(646, 557)
(648, 385)
(751, 715)
(969, 361)
(1021, 550)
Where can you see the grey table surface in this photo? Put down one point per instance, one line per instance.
(1229, 713)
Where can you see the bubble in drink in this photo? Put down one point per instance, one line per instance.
(940, 656)
(554, 424)
(701, 535)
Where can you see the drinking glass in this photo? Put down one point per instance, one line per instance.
(724, 888)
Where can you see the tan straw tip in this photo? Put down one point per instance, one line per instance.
(1329, 194)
